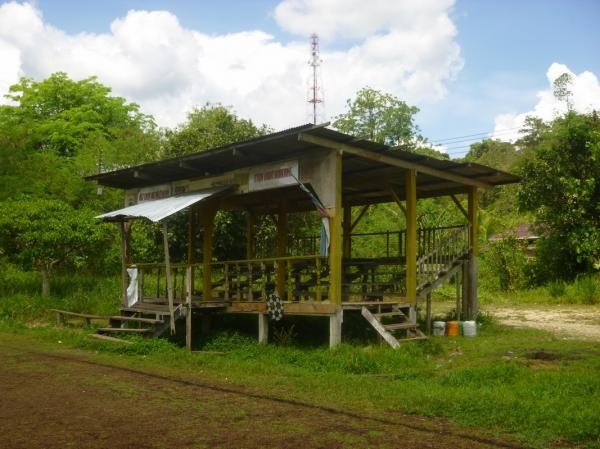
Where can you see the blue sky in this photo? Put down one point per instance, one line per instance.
(505, 51)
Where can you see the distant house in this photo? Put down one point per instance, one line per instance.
(526, 232)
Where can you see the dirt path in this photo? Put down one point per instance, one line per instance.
(577, 322)
(49, 402)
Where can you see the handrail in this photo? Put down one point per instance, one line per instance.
(445, 252)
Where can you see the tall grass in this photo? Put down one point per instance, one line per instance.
(21, 299)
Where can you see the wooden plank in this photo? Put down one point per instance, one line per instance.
(309, 308)
(124, 330)
(390, 160)
(79, 315)
(111, 339)
(135, 319)
(389, 338)
(411, 235)
(247, 307)
(396, 326)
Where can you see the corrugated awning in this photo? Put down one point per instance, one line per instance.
(163, 208)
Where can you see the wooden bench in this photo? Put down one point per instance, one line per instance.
(61, 316)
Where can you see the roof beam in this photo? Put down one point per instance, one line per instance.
(187, 166)
(389, 160)
(137, 174)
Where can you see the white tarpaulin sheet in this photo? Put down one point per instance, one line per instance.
(132, 289)
(163, 208)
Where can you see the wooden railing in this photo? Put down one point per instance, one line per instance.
(293, 277)
(152, 280)
(298, 278)
(440, 251)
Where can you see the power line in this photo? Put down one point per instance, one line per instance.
(476, 134)
(491, 135)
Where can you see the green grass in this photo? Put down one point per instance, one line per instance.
(537, 387)
(497, 382)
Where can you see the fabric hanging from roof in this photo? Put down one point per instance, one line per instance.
(324, 246)
(159, 209)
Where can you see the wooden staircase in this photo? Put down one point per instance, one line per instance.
(443, 259)
(394, 325)
(148, 320)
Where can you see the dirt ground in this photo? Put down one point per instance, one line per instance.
(571, 322)
(58, 401)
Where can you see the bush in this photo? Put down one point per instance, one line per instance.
(507, 262)
(556, 289)
(585, 290)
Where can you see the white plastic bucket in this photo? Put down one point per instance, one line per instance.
(439, 328)
(469, 328)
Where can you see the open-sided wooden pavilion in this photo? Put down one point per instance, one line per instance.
(297, 170)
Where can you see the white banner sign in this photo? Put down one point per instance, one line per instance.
(273, 175)
(154, 193)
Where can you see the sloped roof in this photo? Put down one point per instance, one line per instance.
(361, 176)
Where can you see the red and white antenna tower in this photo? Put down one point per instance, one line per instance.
(315, 93)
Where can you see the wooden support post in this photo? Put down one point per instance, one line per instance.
(263, 328)
(411, 235)
(335, 230)
(282, 233)
(208, 218)
(250, 221)
(428, 313)
(188, 301)
(472, 210)
(168, 276)
(347, 230)
(465, 290)
(458, 295)
(125, 259)
(335, 328)
(191, 256)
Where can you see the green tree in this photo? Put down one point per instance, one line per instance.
(379, 117)
(211, 126)
(561, 185)
(61, 114)
(58, 130)
(44, 234)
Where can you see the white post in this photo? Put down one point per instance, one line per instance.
(263, 328)
(335, 328)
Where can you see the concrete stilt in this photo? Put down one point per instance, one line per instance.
(335, 328)
(263, 328)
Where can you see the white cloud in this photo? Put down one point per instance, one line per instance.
(585, 97)
(406, 48)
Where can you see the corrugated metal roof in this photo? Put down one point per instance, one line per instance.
(159, 209)
(360, 175)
